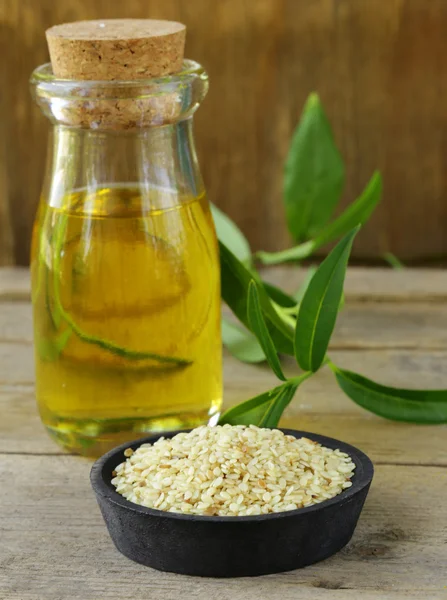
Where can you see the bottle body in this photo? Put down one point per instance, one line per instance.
(126, 288)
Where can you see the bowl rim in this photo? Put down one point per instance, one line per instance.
(363, 475)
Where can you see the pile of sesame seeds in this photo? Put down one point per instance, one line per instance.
(232, 471)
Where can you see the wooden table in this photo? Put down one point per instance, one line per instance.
(53, 542)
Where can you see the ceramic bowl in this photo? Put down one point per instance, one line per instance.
(231, 546)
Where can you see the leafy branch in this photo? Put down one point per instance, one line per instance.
(273, 323)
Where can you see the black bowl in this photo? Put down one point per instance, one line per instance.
(231, 546)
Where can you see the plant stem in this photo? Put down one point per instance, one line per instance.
(60, 313)
(330, 364)
(118, 350)
(290, 310)
(294, 254)
(393, 261)
(300, 378)
(284, 314)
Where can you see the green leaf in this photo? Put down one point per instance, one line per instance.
(314, 173)
(393, 261)
(299, 294)
(264, 410)
(320, 305)
(235, 279)
(413, 406)
(230, 234)
(357, 212)
(241, 343)
(259, 328)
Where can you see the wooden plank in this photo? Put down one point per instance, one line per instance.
(384, 441)
(386, 107)
(359, 326)
(390, 367)
(399, 367)
(16, 322)
(14, 284)
(391, 325)
(374, 284)
(21, 430)
(319, 405)
(55, 545)
(362, 284)
(320, 394)
(16, 364)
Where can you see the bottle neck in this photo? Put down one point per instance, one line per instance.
(120, 105)
(155, 158)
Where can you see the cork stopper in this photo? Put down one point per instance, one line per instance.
(95, 53)
(116, 49)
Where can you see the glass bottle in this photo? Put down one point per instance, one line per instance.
(125, 271)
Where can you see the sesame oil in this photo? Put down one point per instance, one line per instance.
(126, 314)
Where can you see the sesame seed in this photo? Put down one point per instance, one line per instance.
(232, 471)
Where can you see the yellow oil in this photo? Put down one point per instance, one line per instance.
(126, 315)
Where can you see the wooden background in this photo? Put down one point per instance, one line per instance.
(379, 65)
